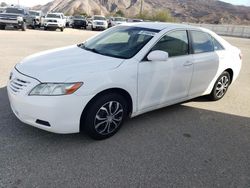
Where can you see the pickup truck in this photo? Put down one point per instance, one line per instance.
(15, 17)
(55, 21)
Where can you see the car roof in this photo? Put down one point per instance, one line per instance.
(161, 25)
(58, 13)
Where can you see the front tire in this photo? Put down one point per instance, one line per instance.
(105, 116)
(220, 87)
(61, 29)
(2, 27)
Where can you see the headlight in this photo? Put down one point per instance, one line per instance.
(19, 18)
(55, 89)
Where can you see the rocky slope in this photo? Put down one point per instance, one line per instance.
(203, 11)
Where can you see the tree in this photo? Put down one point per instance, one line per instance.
(3, 4)
(120, 13)
(161, 16)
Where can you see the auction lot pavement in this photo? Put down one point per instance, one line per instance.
(194, 144)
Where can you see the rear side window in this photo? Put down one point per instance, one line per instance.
(175, 43)
(202, 42)
(217, 45)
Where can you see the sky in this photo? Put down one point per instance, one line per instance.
(31, 3)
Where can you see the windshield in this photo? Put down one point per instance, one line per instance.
(119, 19)
(14, 10)
(33, 13)
(99, 18)
(121, 42)
(53, 16)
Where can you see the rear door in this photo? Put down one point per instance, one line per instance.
(205, 62)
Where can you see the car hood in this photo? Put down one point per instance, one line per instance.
(64, 64)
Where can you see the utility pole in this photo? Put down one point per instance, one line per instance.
(141, 9)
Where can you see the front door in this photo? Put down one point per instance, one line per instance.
(161, 82)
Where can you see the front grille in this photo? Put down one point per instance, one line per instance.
(78, 21)
(52, 21)
(17, 85)
(8, 18)
(99, 23)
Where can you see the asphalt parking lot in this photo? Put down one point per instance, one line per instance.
(194, 144)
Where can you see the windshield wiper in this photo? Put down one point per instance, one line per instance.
(88, 49)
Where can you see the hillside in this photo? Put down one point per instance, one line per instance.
(203, 11)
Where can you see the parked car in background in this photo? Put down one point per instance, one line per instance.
(2, 9)
(55, 21)
(134, 20)
(69, 21)
(79, 22)
(99, 23)
(35, 19)
(123, 72)
(15, 17)
(117, 21)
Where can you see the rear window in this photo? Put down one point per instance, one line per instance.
(217, 45)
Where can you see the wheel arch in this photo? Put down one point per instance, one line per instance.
(231, 73)
(119, 91)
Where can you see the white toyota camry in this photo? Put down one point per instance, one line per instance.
(123, 72)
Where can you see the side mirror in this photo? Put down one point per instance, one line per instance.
(157, 55)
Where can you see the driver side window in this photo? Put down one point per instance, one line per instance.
(175, 43)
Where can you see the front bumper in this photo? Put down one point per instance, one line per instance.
(99, 26)
(10, 22)
(53, 25)
(62, 113)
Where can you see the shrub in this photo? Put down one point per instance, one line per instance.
(161, 16)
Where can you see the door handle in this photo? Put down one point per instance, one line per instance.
(188, 63)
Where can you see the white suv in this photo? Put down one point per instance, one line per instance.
(99, 23)
(117, 21)
(55, 21)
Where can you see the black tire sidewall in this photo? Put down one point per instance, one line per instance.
(88, 121)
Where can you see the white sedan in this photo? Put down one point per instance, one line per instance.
(122, 72)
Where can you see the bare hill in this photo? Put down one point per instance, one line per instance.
(203, 11)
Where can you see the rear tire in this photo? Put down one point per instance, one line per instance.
(220, 87)
(2, 27)
(61, 29)
(104, 117)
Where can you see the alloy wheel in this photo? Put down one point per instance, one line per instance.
(222, 86)
(108, 118)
